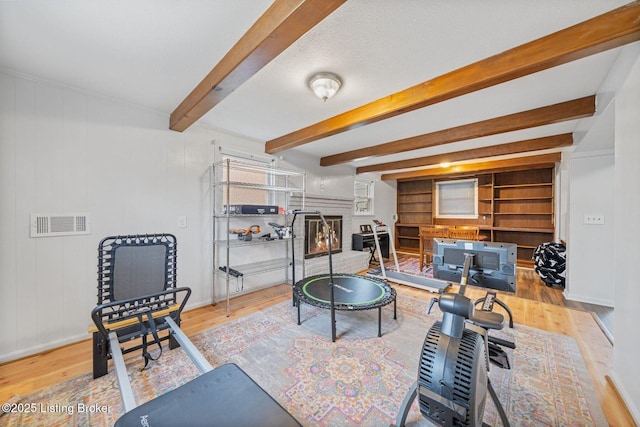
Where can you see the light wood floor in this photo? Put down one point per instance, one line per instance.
(534, 305)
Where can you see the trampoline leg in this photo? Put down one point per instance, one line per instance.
(100, 355)
(333, 324)
(379, 321)
(406, 405)
(298, 304)
(395, 312)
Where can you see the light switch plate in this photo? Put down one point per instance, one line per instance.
(182, 222)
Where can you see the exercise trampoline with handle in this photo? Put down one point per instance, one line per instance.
(331, 291)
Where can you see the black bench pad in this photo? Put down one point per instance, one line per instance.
(225, 396)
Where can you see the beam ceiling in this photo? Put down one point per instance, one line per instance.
(277, 29)
(518, 163)
(568, 110)
(607, 31)
(536, 144)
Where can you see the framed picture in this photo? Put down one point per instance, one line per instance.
(365, 228)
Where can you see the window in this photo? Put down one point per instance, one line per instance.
(457, 199)
(248, 172)
(362, 197)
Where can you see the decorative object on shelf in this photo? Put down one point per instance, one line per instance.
(281, 231)
(246, 234)
(252, 210)
(325, 85)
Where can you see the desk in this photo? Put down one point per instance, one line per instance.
(359, 241)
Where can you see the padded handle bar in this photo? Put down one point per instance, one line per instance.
(138, 305)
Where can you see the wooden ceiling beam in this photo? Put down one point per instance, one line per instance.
(518, 163)
(536, 144)
(568, 110)
(278, 28)
(610, 30)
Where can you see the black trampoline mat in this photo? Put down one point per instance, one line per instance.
(350, 290)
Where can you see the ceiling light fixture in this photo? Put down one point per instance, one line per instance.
(325, 85)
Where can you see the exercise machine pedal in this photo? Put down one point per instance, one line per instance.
(498, 356)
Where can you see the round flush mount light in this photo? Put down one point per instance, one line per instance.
(325, 85)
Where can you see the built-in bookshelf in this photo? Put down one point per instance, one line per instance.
(415, 207)
(513, 207)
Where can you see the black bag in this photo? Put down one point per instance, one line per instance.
(550, 261)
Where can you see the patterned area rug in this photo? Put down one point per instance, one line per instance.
(359, 380)
(406, 264)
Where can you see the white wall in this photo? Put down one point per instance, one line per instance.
(65, 151)
(627, 231)
(590, 248)
(338, 182)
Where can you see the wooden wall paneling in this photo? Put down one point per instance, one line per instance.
(26, 265)
(49, 164)
(74, 152)
(78, 253)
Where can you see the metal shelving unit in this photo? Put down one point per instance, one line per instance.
(237, 182)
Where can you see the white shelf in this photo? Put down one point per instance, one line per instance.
(235, 242)
(260, 267)
(236, 182)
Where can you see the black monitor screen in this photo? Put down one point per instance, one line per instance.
(494, 264)
(481, 259)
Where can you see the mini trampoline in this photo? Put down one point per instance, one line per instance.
(350, 292)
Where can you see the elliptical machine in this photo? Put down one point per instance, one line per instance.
(452, 379)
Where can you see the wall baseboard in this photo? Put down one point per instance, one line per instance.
(580, 298)
(30, 351)
(52, 345)
(633, 409)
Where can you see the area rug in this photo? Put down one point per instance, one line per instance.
(406, 264)
(360, 380)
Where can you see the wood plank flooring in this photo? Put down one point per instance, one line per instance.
(534, 305)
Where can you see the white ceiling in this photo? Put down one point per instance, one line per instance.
(154, 52)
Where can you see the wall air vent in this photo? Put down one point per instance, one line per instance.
(48, 225)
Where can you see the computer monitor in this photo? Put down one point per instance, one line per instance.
(493, 266)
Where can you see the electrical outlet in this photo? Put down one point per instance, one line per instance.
(182, 222)
(594, 219)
